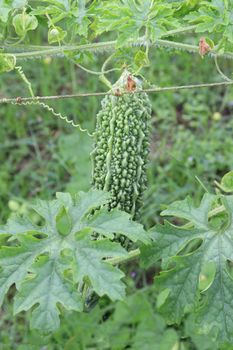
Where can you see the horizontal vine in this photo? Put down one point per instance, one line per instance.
(21, 100)
(41, 51)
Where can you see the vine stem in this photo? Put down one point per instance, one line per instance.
(96, 45)
(103, 69)
(108, 46)
(18, 100)
(104, 46)
(92, 71)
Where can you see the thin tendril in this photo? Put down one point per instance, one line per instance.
(220, 71)
(38, 100)
(20, 71)
(92, 71)
(56, 114)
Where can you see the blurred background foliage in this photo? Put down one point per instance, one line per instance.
(191, 139)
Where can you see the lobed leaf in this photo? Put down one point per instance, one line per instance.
(49, 268)
(185, 262)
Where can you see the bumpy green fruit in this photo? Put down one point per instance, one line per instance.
(122, 145)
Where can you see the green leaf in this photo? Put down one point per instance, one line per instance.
(210, 42)
(152, 334)
(184, 209)
(141, 59)
(102, 276)
(201, 341)
(23, 23)
(56, 34)
(118, 222)
(169, 240)
(7, 63)
(7, 6)
(148, 335)
(227, 182)
(182, 284)
(49, 267)
(146, 339)
(185, 262)
(15, 262)
(81, 14)
(46, 290)
(74, 16)
(5, 10)
(131, 18)
(214, 17)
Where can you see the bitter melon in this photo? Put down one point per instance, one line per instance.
(122, 145)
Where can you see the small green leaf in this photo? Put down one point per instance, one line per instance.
(56, 34)
(227, 182)
(23, 23)
(162, 297)
(141, 59)
(210, 42)
(7, 63)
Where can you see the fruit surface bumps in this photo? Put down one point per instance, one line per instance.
(122, 147)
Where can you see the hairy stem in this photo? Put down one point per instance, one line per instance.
(110, 46)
